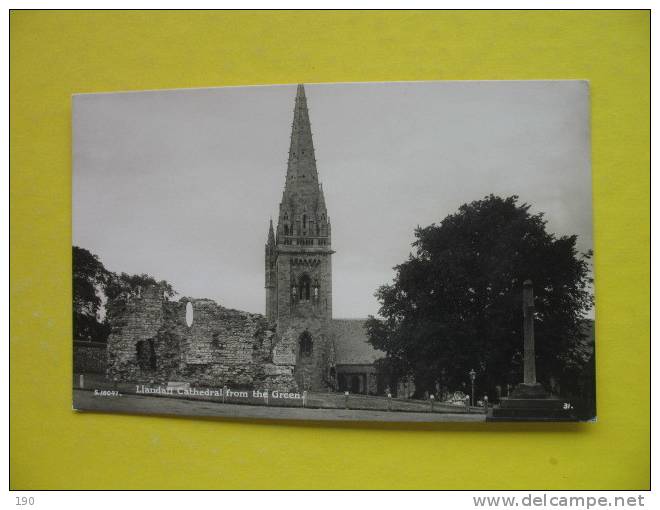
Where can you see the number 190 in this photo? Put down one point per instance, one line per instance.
(24, 500)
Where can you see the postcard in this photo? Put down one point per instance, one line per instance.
(404, 251)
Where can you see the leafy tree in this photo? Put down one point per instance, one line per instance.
(456, 303)
(89, 278)
(92, 283)
(132, 285)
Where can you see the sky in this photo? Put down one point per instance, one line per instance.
(180, 184)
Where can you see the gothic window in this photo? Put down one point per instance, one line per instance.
(305, 344)
(304, 222)
(304, 287)
(286, 230)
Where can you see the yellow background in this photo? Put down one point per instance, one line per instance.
(56, 54)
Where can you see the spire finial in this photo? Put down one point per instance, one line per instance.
(271, 233)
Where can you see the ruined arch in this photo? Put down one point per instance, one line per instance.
(145, 353)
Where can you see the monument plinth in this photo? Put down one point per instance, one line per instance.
(529, 400)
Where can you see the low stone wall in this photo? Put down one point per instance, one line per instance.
(90, 357)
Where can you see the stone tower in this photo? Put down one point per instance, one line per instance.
(298, 261)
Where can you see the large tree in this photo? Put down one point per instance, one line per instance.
(455, 304)
(93, 284)
(89, 280)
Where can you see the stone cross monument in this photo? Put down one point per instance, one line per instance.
(529, 401)
(529, 388)
(528, 332)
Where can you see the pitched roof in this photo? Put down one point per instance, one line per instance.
(351, 346)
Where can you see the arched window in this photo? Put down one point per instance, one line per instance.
(304, 287)
(305, 342)
(304, 222)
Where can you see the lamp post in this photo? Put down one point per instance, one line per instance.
(473, 376)
(443, 383)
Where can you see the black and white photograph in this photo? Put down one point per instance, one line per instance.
(397, 251)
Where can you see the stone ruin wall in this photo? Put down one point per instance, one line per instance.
(151, 341)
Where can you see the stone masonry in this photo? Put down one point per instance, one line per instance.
(89, 357)
(151, 340)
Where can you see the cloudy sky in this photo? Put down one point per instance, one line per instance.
(180, 184)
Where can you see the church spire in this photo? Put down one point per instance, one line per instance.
(302, 209)
(301, 169)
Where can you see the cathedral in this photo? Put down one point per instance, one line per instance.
(330, 353)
